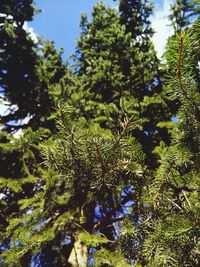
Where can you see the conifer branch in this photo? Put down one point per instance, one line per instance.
(197, 223)
(106, 221)
(100, 157)
(122, 164)
(184, 188)
(179, 72)
(124, 129)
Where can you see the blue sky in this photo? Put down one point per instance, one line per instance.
(60, 20)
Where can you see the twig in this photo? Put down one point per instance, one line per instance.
(197, 223)
(179, 71)
(186, 198)
(106, 221)
(121, 164)
(103, 165)
(125, 126)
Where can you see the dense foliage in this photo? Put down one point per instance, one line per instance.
(99, 174)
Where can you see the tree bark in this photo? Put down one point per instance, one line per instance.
(79, 255)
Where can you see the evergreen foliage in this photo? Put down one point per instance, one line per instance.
(119, 73)
(172, 231)
(18, 58)
(29, 80)
(107, 179)
(182, 11)
(25, 75)
(94, 174)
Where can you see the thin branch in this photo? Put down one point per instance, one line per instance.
(124, 129)
(186, 198)
(184, 187)
(174, 203)
(106, 221)
(108, 218)
(122, 164)
(179, 71)
(100, 157)
(53, 217)
(197, 223)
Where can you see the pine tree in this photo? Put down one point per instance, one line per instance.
(18, 58)
(112, 193)
(61, 252)
(172, 232)
(25, 73)
(93, 176)
(30, 75)
(135, 15)
(114, 76)
(118, 72)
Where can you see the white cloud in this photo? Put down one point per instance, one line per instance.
(160, 24)
(2, 196)
(31, 32)
(26, 27)
(3, 108)
(6, 108)
(19, 132)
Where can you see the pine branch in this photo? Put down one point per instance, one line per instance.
(124, 129)
(121, 164)
(106, 221)
(100, 157)
(184, 188)
(184, 231)
(179, 72)
(196, 224)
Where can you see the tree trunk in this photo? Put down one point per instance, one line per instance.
(79, 255)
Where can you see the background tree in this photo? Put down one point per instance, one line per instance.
(18, 58)
(30, 73)
(26, 73)
(182, 12)
(117, 73)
